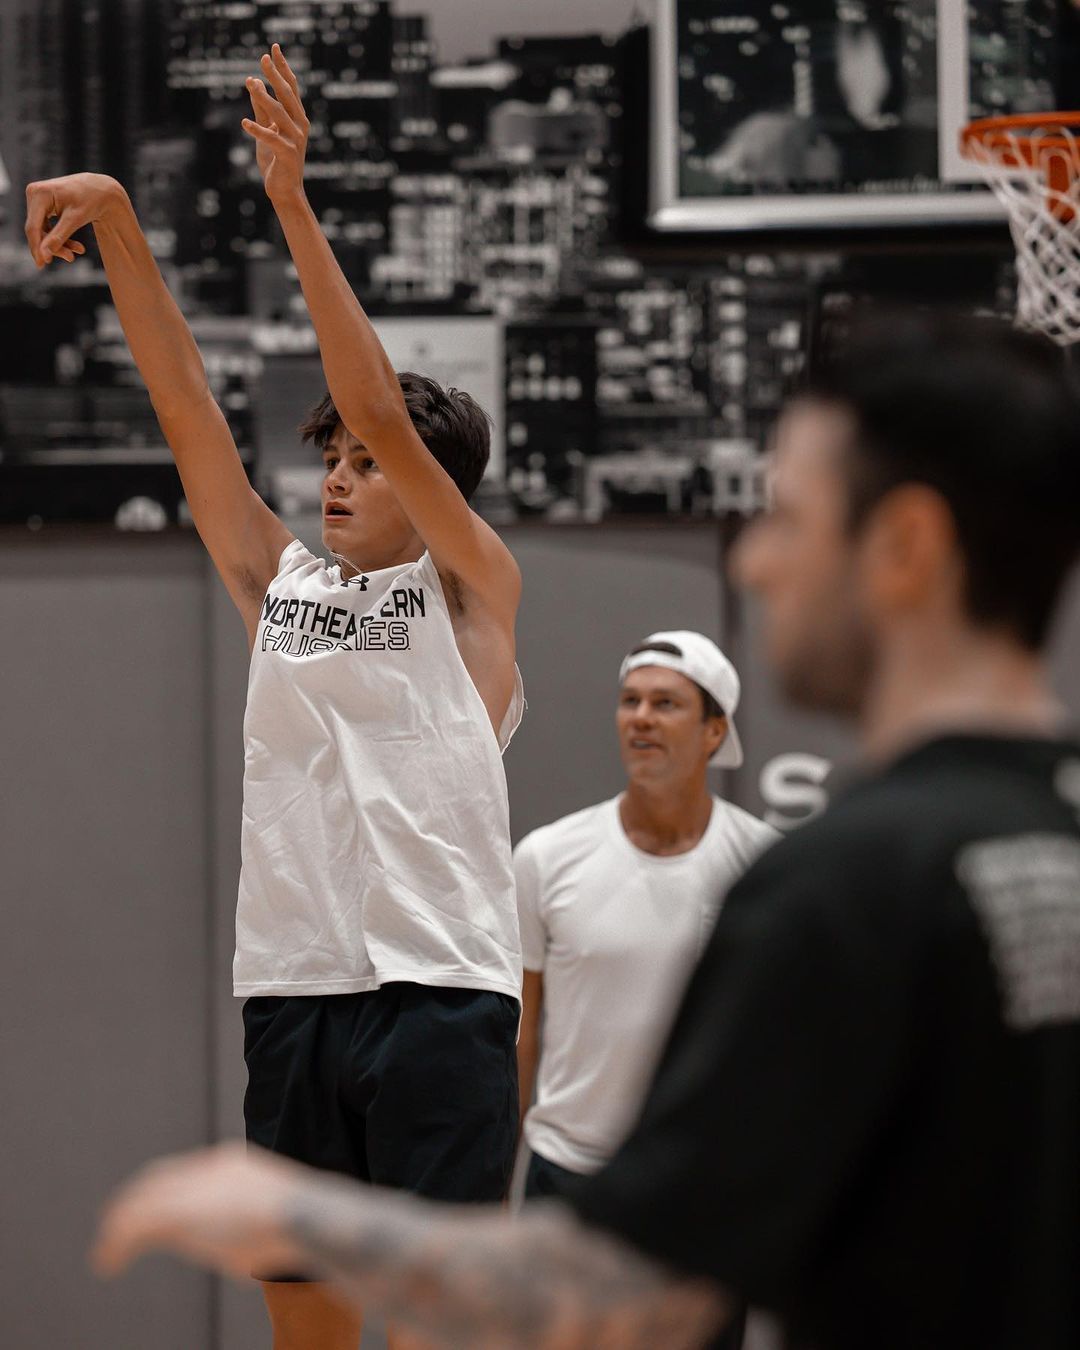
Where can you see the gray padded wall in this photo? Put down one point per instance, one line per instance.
(103, 968)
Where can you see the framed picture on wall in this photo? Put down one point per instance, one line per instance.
(836, 113)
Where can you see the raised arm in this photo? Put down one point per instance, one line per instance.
(465, 1276)
(242, 534)
(361, 380)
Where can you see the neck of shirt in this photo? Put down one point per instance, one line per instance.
(658, 837)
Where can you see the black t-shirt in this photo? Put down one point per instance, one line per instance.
(867, 1117)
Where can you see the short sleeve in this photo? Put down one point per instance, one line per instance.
(764, 837)
(780, 1071)
(757, 838)
(530, 904)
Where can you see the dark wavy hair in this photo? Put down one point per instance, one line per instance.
(988, 416)
(450, 422)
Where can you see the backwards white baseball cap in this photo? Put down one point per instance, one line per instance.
(701, 660)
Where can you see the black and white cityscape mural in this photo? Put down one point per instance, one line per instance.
(473, 202)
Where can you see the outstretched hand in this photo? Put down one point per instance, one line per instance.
(223, 1207)
(70, 203)
(280, 128)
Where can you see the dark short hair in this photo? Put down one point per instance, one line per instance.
(989, 417)
(709, 705)
(450, 422)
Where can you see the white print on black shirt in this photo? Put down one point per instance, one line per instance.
(303, 627)
(1026, 893)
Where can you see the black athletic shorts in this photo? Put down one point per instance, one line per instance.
(545, 1178)
(407, 1086)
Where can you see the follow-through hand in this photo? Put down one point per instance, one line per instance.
(57, 207)
(280, 126)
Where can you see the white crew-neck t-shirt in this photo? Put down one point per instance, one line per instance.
(376, 836)
(616, 932)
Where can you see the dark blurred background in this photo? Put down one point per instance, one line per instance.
(484, 189)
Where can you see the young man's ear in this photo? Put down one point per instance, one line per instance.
(910, 547)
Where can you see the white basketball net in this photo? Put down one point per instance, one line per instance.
(1044, 220)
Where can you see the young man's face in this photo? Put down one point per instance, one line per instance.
(804, 564)
(362, 520)
(663, 736)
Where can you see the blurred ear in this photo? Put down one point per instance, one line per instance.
(715, 731)
(909, 549)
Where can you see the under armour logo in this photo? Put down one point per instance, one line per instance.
(360, 581)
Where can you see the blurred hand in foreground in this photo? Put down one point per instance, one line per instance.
(223, 1207)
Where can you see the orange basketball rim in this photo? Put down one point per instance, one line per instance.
(1032, 163)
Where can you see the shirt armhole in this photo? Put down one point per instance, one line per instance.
(294, 555)
(514, 712)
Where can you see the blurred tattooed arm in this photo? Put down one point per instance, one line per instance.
(473, 1278)
(467, 1276)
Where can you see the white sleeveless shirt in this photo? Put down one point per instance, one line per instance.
(376, 835)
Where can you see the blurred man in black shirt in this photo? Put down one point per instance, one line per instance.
(867, 1117)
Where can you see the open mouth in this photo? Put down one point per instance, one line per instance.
(335, 509)
(638, 744)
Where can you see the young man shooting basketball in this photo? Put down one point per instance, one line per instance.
(377, 940)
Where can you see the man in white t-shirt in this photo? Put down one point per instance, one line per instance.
(616, 903)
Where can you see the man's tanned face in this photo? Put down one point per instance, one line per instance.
(662, 733)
